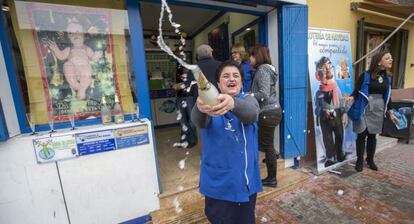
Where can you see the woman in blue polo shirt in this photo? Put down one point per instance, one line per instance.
(230, 174)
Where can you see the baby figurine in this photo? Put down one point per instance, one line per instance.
(77, 69)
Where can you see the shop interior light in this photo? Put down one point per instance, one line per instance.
(5, 8)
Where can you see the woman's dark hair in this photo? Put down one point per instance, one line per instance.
(228, 63)
(261, 54)
(374, 68)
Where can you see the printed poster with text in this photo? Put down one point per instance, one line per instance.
(330, 71)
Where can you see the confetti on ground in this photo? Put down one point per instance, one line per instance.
(181, 164)
(176, 204)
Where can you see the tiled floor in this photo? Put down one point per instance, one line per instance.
(172, 177)
(386, 196)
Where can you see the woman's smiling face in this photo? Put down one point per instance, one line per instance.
(230, 81)
(386, 61)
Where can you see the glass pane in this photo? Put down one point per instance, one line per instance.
(68, 57)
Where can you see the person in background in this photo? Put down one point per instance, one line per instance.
(184, 103)
(372, 97)
(264, 89)
(229, 173)
(239, 55)
(207, 63)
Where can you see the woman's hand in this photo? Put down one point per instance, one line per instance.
(348, 100)
(345, 120)
(52, 46)
(226, 104)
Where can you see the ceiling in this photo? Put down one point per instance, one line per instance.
(191, 19)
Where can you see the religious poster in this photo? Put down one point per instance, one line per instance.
(331, 80)
(73, 57)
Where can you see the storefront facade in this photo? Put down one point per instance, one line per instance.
(368, 23)
(367, 20)
(83, 186)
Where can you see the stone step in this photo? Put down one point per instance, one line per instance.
(192, 202)
(384, 142)
(191, 182)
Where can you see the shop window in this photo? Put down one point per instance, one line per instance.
(370, 36)
(248, 35)
(218, 39)
(68, 58)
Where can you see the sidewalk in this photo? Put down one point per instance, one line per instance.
(385, 196)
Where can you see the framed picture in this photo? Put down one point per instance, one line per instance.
(74, 48)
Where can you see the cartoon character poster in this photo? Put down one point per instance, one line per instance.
(330, 70)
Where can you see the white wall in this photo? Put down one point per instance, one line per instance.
(7, 99)
(108, 187)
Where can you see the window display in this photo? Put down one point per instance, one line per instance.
(72, 56)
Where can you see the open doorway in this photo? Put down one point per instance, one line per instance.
(220, 29)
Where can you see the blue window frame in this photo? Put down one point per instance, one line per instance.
(138, 62)
(8, 43)
(4, 135)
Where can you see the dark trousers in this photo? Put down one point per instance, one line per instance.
(185, 105)
(333, 145)
(268, 120)
(371, 144)
(227, 212)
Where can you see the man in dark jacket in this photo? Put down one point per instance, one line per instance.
(207, 63)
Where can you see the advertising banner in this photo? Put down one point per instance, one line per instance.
(131, 136)
(55, 148)
(95, 142)
(331, 80)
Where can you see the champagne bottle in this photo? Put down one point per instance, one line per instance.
(105, 112)
(206, 91)
(117, 111)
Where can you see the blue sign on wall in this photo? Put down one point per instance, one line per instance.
(95, 142)
(131, 136)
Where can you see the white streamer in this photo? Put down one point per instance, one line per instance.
(160, 40)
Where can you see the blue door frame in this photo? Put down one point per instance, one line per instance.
(293, 62)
